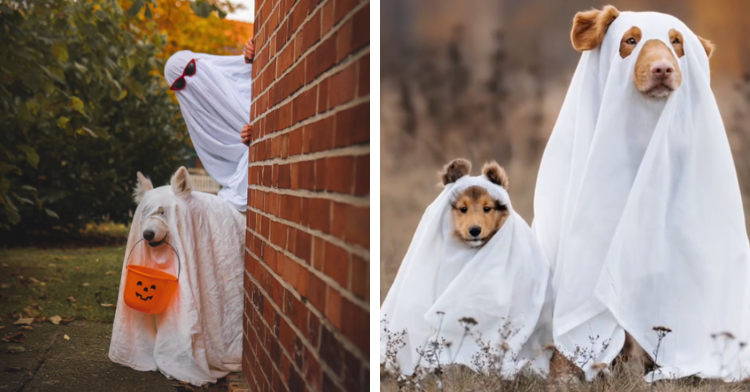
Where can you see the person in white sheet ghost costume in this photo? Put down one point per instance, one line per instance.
(637, 203)
(198, 337)
(500, 286)
(214, 93)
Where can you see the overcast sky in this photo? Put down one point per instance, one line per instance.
(245, 15)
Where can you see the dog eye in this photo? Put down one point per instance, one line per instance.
(463, 209)
(631, 41)
(676, 41)
(487, 209)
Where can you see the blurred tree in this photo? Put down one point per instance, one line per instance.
(82, 108)
(191, 25)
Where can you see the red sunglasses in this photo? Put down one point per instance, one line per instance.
(180, 82)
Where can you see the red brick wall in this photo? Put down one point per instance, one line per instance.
(307, 246)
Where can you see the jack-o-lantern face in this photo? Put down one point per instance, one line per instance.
(145, 290)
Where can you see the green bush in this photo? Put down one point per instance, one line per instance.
(83, 106)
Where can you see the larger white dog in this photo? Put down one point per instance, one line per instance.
(638, 207)
(198, 337)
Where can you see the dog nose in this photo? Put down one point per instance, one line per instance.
(148, 235)
(475, 230)
(662, 69)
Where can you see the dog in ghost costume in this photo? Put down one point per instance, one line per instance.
(454, 275)
(198, 337)
(638, 208)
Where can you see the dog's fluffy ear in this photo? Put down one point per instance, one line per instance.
(496, 174)
(707, 45)
(142, 186)
(589, 27)
(455, 170)
(181, 183)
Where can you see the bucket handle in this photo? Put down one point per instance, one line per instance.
(179, 267)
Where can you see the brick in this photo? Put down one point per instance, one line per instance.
(310, 33)
(320, 174)
(318, 260)
(313, 371)
(290, 208)
(278, 235)
(316, 291)
(341, 88)
(351, 224)
(285, 180)
(321, 59)
(361, 30)
(306, 174)
(304, 246)
(337, 264)
(357, 320)
(353, 126)
(339, 175)
(323, 104)
(295, 142)
(318, 136)
(331, 351)
(362, 176)
(363, 76)
(352, 372)
(304, 105)
(284, 116)
(320, 214)
(291, 240)
(333, 307)
(342, 8)
(360, 285)
(327, 17)
(298, 15)
(285, 58)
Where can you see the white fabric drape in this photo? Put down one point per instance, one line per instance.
(638, 209)
(441, 281)
(216, 105)
(198, 337)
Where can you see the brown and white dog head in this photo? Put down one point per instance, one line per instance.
(658, 48)
(476, 215)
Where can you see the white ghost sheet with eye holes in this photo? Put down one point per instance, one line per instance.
(498, 288)
(198, 337)
(638, 209)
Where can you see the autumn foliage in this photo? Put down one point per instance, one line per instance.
(184, 29)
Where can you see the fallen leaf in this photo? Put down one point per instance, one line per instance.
(52, 265)
(110, 273)
(18, 338)
(26, 328)
(84, 285)
(5, 265)
(2, 326)
(16, 349)
(71, 299)
(66, 337)
(5, 286)
(40, 319)
(32, 280)
(24, 321)
(67, 320)
(55, 319)
(106, 305)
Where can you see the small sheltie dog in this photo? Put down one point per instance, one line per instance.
(476, 216)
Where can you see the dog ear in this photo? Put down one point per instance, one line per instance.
(708, 46)
(142, 186)
(589, 27)
(181, 183)
(455, 170)
(496, 174)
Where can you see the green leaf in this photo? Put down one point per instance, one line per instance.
(148, 14)
(136, 8)
(62, 122)
(51, 213)
(201, 8)
(31, 155)
(60, 51)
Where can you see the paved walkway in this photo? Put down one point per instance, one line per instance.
(50, 362)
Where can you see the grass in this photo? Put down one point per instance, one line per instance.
(65, 282)
(459, 378)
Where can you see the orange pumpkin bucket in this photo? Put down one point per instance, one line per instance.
(148, 289)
